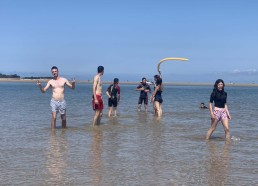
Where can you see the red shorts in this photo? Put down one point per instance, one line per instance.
(100, 105)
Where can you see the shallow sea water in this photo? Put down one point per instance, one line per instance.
(135, 148)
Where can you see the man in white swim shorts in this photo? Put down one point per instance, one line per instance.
(57, 102)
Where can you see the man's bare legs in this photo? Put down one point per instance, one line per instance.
(97, 117)
(112, 110)
(146, 107)
(139, 107)
(109, 111)
(53, 120)
(115, 111)
(63, 118)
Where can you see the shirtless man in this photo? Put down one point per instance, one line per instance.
(57, 102)
(97, 101)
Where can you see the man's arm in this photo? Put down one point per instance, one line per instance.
(147, 89)
(107, 92)
(139, 88)
(71, 86)
(94, 88)
(43, 90)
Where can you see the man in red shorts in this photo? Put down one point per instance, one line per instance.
(97, 102)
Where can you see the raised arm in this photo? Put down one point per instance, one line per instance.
(71, 86)
(43, 90)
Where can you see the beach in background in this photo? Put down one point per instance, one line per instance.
(130, 83)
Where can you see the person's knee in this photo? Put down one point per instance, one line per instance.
(157, 108)
(53, 117)
(98, 113)
(213, 127)
(226, 130)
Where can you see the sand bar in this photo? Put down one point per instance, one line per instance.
(128, 82)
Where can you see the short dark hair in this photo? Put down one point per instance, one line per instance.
(116, 80)
(143, 78)
(54, 67)
(100, 69)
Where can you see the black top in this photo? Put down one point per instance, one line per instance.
(144, 94)
(113, 90)
(219, 98)
(158, 93)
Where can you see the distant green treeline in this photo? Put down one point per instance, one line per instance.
(9, 76)
(32, 77)
(17, 76)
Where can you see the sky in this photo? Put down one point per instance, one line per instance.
(130, 37)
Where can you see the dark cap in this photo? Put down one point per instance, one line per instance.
(116, 80)
(143, 78)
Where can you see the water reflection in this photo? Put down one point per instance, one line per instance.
(114, 120)
(56, 157)
(218, 164)
(142, 117)
(95, 157)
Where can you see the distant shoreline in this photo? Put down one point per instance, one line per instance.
(127, 83)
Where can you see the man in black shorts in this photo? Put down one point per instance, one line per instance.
(144, 88)
(113, 93)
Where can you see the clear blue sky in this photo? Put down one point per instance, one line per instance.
(129, 37)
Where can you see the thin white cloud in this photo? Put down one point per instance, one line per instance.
(246, 71)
